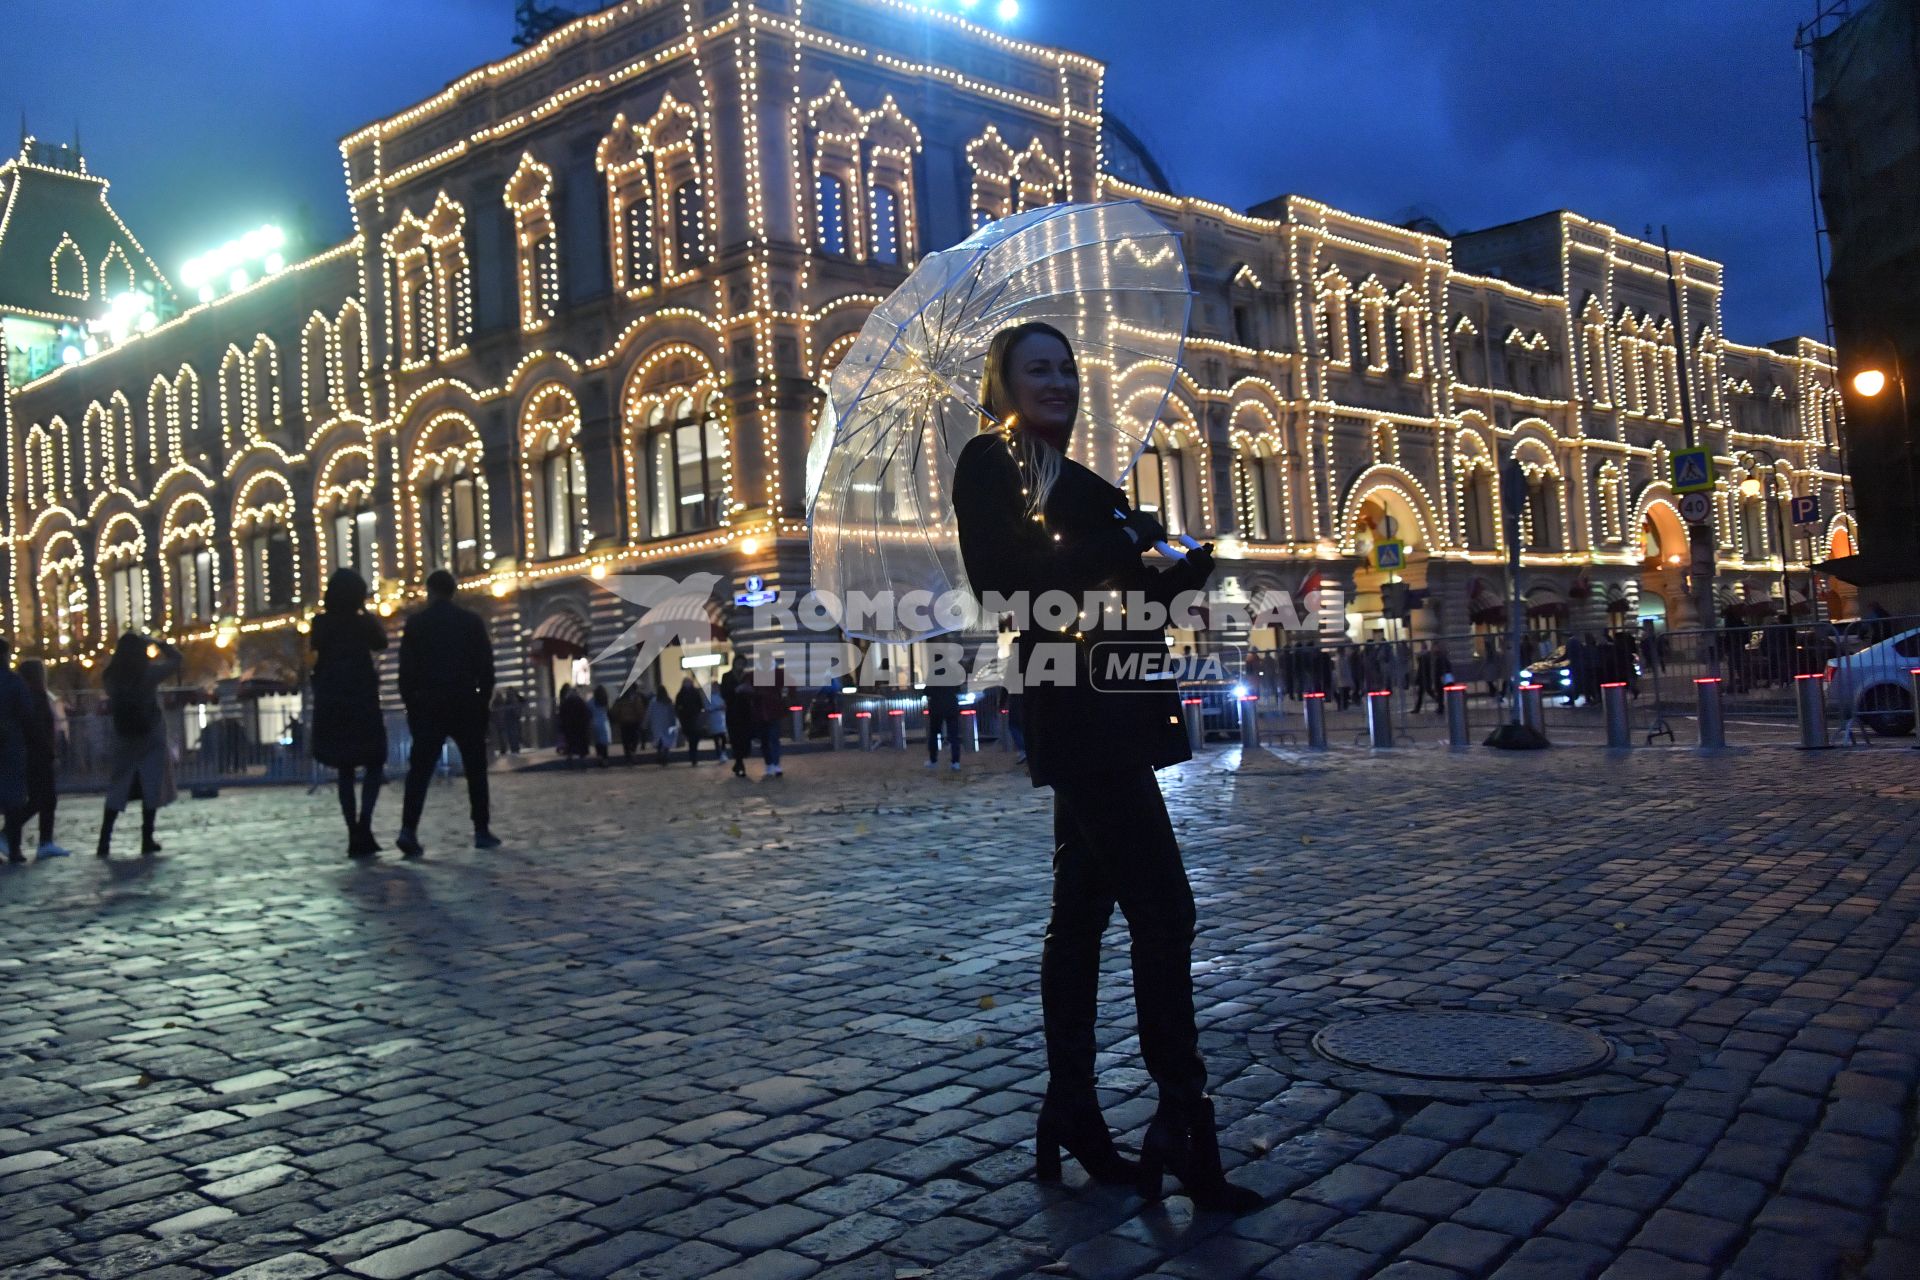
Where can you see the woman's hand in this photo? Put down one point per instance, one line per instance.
(1144, 528)
(1200, 563)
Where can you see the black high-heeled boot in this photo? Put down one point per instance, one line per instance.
(1183, 1142)
(1081, 1131)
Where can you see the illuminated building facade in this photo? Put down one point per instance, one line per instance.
(594, 289)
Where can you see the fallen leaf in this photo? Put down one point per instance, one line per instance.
(733, 828)
(143, 1081)
(979, 1042)
(986, 1002)
(1306, 839)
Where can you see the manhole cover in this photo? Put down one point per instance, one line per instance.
(1461, 1044)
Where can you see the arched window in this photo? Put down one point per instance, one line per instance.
(1476, 500)
(1410, 319)
(689, 225)
(1373, 326)
(1038, 178)
(556, 476)
(452, 286)
(316, 369)
(1542, 517)
(1612, 516)
(410, 278)
(65, 612)
(353, 538)
(1596, 353)
(1158, 482)
(886, 225)
(350, 359)
(450, 518)
(123, 572)
(116, 273)
(991, 160)
(1336, 338)
(830, 206)
(536, 247)
(1753, 528)
(1264, 502)
(192, 602)
(70, 270)
(686, 451)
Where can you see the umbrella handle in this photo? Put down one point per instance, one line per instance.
(1162, 547)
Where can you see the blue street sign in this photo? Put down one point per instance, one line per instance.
(1390, 555)
(1692, 471)
(756, 593)
(1806, 509)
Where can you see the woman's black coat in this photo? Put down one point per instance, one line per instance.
(1080, 547)
(349, 730)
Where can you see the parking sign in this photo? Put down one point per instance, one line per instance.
(1692, 471)
(1806, 509)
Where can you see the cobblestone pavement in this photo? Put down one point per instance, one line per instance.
(686, 1026)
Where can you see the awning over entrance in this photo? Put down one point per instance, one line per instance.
(562, 634)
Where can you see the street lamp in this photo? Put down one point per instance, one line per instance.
(1869, 383)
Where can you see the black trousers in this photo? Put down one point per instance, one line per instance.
(1114, 844)
(430, 730)
(42, 798)
(943, 722)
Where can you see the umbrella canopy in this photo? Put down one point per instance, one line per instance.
(905, 400)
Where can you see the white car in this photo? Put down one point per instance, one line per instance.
(1874, 683)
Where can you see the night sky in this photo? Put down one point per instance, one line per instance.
(212, 117)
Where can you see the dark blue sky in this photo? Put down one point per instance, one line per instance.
(211, 116)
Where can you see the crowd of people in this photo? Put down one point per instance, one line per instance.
(731, 713)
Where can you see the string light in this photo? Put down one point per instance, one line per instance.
(732, 340)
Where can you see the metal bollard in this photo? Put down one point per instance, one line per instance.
(1810, 693)
(899, 719)
(866, 729)
(1315, 705)
(1380, 718)
(1532, 712)
(1913, 678)
(970, 727)
(1456, 696)
(799, 723)
(837, 729)
(1613, 696)
(1196, 713)
(1713, 722)
(1250, 720)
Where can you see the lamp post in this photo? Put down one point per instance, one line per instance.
(1869, 383)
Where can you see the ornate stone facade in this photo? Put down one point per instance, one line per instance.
(594, 289)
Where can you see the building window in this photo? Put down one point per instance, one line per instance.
(536, 246)
(70, 269)
(689, 226)
(886, 225)
(1477, 497)
(452, 522)
(1157, 486)
(63, 610)
(686, 458)
(352, 542)
(561, 503)
(127, 598)
(192, 586)
(269, 553)
(830, 195)
(992, 161)
(1543, 512)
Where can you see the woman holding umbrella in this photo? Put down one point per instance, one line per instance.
(1031, 520)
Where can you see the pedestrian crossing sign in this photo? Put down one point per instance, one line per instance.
(1389, 555)
(1692, 471)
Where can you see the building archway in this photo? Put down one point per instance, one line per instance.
(1664, 552)
(1384, 513)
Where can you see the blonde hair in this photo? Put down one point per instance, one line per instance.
(1039, 461)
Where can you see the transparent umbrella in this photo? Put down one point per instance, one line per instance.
(905, 400)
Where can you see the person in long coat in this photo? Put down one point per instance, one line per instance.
(43, 754)
(715, 719)
(16, 714)
(1031, 521)
(140, 764)
(349, 731)
(575, 724)
(599, 713)
(691, 710)
(662, 724)
(736, 693)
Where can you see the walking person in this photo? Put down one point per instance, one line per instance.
(349, 733)
(1032, 520)
(142, 764)
(769, 703)
(16, 715)
(512, 707)
(714, 721)
(628, 711)
(737, 694)
(661, 724)
(600, 715)
(943, 716)
(690, 709)
(43, 755)
(446, 681)
(572, 725)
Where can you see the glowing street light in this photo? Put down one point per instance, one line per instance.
(237, 263)
(1870, 382)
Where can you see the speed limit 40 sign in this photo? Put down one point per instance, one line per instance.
(1695, 508)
